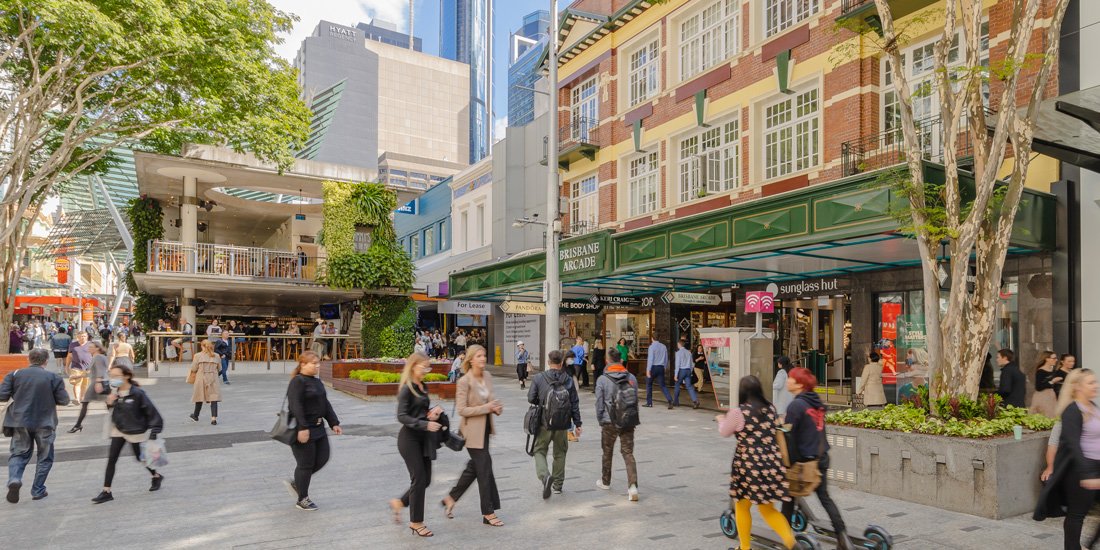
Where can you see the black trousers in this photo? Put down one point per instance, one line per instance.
(582, 372)
(117, 443)
(479, 467)
(1078, 503)
(83, 413)
(411, 447)
(309, 458)
(213, 408)
(521, 371)
(822, 493)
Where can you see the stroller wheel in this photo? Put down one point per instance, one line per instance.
(729, 526)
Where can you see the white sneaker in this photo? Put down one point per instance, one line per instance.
(632, 493)
(600, 484)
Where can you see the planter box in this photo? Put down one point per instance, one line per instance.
(341, 368)
(444, 390)
(994, 478)
(11, 362)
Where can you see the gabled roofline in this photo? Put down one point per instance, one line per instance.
(606, 25)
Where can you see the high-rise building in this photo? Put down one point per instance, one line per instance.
(525, 48)
(466, 35)
(387, 33)
(374, 99)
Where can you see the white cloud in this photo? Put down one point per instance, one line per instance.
(345, 12)
(499, 126)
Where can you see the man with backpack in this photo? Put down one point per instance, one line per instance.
(617, 412)
(554, 392)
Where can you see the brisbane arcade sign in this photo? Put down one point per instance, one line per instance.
(587, 256)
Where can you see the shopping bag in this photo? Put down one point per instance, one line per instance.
(153, 454)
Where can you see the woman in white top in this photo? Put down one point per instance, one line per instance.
(781, 396)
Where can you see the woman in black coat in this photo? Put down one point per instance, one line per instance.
(1076, 474)
(134, 420)
(308, 404)
(599, 360)
(416, 441)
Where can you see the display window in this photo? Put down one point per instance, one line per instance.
(632, 326)
(581, 325)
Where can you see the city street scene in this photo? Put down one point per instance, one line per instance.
(669, 274)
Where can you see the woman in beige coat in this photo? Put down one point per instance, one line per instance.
(474, 401)
(871, 388)
(205, 367)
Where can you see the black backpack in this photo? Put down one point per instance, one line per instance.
(624, 405)
(557, 407)
(532, 423)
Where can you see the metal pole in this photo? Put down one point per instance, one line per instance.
(553, 194)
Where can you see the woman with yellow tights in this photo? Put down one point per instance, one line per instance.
(757, 473)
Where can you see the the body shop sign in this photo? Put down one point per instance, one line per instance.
(585, 256)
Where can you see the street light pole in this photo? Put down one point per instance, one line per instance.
(552, 292)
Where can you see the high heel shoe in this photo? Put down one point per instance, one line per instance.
(494, 521)
(422, 531)
(76, 429)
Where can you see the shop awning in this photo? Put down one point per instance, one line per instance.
(1068, 128)
(829, 230)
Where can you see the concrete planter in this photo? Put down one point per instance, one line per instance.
(994, 478)
(342, 367)
(444, 390)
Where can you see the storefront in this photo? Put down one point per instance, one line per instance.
(579, 319)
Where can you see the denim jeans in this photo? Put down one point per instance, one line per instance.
(683, 377)
(225, 369)
(23, 442)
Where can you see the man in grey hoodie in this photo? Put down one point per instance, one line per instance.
(617, 412)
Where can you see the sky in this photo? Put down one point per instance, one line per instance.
(507, 17)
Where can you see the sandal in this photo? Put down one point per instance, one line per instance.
(494, 521)
(395, 507)
(448, 510)
(422, 531)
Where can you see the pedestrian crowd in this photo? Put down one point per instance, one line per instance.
(769, 465)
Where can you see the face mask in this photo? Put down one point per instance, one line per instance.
(568, 361)
(115, 382)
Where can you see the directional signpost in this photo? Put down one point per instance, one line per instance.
(691, 298)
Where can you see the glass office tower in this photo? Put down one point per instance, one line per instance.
(466, 35)
(525, 47)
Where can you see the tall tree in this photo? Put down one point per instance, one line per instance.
(975, 231)
(80, 77)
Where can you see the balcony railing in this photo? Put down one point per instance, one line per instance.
(579, 131)
(848, 6)
(582, 227)
(887, 149)
(231, 261)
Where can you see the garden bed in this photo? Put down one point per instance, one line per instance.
(965, 460)
(342, 367)
(364, 389)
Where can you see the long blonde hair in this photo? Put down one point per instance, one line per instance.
(470, 353)
(207, 346)
(411, 362)
(306, 357)
(1070, 387)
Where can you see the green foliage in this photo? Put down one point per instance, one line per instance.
(379, 377)
(384, 264)
(389, 323)
(969, 423)
(141, 350)
(148, 308)
(146, 224)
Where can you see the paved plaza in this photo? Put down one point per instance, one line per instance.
(223, 488)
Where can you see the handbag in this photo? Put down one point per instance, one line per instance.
(191, 376)
(285, 430)
(804, 477)
(454, 441)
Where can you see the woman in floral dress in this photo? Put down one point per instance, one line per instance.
(757, 474)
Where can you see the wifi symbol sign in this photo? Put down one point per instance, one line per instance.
(759, 302)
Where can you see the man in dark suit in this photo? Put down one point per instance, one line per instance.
(31, 421)
(1013, 389)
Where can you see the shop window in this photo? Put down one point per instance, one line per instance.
(585, 109)
(780, 15)
(709, 37)
(791, 134)
(633, 327)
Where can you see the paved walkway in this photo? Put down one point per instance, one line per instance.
(223, 488)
